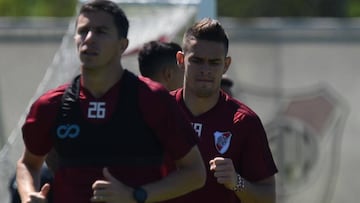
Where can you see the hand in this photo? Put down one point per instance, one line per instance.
(39, 197)
(111, 190)
(224, 171)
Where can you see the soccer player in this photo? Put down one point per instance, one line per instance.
(233, 143)
(110, 129)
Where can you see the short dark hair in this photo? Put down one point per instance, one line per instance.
(155, 55)
(206, 29)
(120, 19)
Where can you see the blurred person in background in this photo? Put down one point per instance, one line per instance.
(157, 60)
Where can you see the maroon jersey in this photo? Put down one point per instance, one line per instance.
(73, 184)
(231, 130)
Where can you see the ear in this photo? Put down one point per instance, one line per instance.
(124, 42)
(227, 64)
(180, 58)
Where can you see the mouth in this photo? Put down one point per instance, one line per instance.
(204, 80)
(88, 51)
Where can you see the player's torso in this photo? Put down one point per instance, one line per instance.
(219, 137)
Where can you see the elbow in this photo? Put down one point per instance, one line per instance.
(200, 177)
(200, 172)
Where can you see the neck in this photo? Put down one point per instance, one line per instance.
(98, 82)
(199, 105)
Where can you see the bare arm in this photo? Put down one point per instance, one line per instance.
(190, 175)
(28, 178)
(253, 192)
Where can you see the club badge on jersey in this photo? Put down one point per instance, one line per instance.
(222, 141)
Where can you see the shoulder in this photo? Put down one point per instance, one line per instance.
(44, 109)
(51, 97)
(242, 111)
(245, 121)
(151, 88)
(153, 97)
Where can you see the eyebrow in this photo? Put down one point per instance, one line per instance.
(201, 58)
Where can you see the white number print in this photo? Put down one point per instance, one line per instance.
(96, 110)
(197, 128)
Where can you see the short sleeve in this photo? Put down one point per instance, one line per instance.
(168, 122)
(257, 161)
(38, 124)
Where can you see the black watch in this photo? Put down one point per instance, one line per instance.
(140, 195)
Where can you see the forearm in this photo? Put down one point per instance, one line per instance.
(187, 178)
(27, 179)
(258, 192)
(190, 175)
(176, 184)
(28, 174)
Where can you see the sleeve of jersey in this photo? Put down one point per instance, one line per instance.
(169, 123)
(257, 162)
(36, 130)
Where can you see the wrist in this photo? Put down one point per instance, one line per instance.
(140, 195)
(240, 183)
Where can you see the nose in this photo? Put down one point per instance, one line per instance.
(89, 36)
(205, 68)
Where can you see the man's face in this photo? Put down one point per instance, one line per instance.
(97, 39)
(205, 63)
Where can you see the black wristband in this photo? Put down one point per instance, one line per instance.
(140, 195)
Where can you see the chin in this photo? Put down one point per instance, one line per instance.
(88, 66)
(204, 93)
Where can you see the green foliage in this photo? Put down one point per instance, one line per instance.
(55, 8)
(354, 9)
